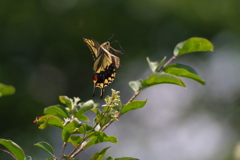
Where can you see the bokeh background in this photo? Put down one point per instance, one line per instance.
(43, 56)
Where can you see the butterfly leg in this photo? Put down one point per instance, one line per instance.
(101, 94)
(94, 90)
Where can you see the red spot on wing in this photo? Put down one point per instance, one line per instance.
(95, 77)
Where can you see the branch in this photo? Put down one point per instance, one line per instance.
(63, 149)
(8, 153)
(167, 63)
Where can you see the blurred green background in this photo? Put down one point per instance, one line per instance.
(43, 56)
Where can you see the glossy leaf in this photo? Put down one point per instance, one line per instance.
(99, 137)
(75, 140)
(69, 129)
(154, 66)
(126, 158)
(57, 110)
(105, 120)
(83, 109)
(82, 117)
(83, 129)
(183, 66)
(28, 158)
(194, 44)
(161, 78)
(49, 120)
(110, 158)
(6, 90)
(86, 106)
(96, 111)
(99, 155)
(66, 100)
(135, 85)
(46, 146)
(132, 106)
(181, 72)
(16, 150)
(122, 158)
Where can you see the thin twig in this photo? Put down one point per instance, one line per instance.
(63, 149)
(133, 97)
(167, 63)
(76, 152)
(8, 153)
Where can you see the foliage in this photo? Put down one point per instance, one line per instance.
(6, 90)
(74, 124)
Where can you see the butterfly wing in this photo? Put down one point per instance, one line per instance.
(105, 67)
(93, 45)
(105, 64)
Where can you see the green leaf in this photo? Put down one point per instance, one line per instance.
(110, 158)
(99, 155)
(75, 140)
(154, 66)
(82, 117)
(69, 129)
(49, 120)
(46, 146)
(99, 137)
(122, 158)
(104, 121)
(126, 158)
(6, 90)
(183, 66)
(16, 150)
(28, 158)
(135, 85)
(194, 44)
(83, 109)
(96, 111)
(161, 78)
(67, 101)
(83, 129)
(182, 72)
(132, 106)
(57, 110)
(86, 106)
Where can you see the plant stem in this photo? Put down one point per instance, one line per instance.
(167, 63)
(133, 97)
(63, 149)
(8, 153)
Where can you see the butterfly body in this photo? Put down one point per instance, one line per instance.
(105, 63)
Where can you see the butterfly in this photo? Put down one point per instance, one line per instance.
(105, 63)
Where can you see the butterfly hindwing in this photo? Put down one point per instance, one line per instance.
(105, 63)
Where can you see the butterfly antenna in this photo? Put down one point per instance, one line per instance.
(113, 34)
(119, 51)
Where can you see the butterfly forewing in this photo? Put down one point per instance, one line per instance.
(93, 45)
(105, 63)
